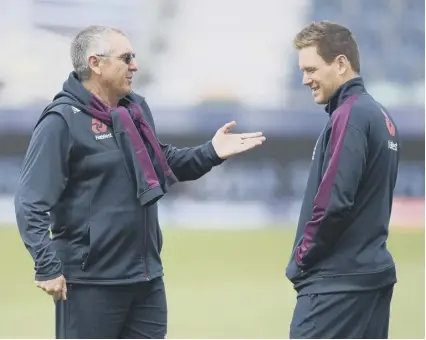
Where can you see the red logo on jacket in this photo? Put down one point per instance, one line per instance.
(389, 124)
(98, 126)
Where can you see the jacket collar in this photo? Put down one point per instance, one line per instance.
(346, 90)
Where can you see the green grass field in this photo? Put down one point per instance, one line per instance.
(220, 284)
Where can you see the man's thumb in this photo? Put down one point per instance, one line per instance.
(229, 126)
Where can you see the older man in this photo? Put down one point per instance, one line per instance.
(94, 171)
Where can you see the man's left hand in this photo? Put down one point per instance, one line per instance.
(229, 144)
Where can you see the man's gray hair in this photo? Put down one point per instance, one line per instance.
(90, 41)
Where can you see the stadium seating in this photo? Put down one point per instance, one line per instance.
(189, 53)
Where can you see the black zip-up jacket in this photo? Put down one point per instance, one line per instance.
(73, 180)
(341, 237)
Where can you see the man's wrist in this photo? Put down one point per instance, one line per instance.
(213, 154)
(53, 274)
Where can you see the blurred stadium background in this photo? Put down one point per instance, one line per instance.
(203, 63)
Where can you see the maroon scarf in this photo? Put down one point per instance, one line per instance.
(153, 177)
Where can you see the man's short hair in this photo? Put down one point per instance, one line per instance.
(331, 40)
(90, 41)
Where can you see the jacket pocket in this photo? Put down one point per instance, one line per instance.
(85, 257)
(293, 271)
(160, 239)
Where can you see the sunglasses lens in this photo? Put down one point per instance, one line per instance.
(128, 58)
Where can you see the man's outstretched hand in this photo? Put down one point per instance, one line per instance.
(229, 144)
(55, 287)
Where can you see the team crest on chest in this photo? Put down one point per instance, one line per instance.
(99, 129)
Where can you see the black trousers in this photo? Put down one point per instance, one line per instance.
(125, 311)
(357, 315)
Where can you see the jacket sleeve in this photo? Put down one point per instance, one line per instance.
(347, 152)
(191, 163)
(43, 177)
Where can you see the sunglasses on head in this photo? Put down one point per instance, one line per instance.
(126, 57)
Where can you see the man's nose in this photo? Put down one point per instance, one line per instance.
(133, 66)
(306, 80)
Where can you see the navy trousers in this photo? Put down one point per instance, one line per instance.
(357, 315)
(124, 311)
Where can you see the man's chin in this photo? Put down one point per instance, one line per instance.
(320, 100)
(126, 91)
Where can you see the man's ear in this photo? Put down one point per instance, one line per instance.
(94, 64)
(343, 64)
